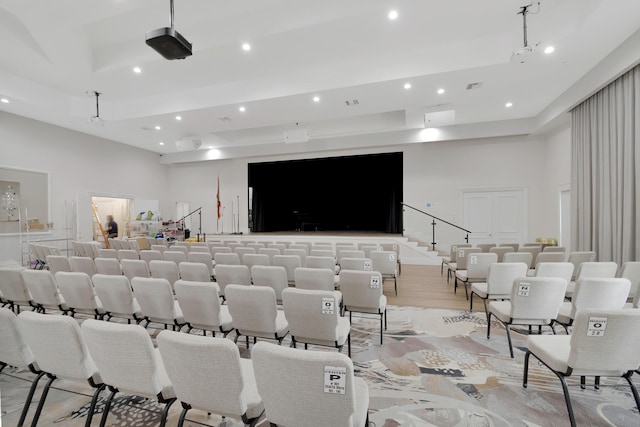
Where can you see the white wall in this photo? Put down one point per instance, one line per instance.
(77, 164)
(558, 172)
(435, 172)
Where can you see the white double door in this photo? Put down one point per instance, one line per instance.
(495, 216)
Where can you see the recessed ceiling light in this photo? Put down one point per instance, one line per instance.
(549, 49)
(242, 109)
(393, 14)
(440, 91)
(137, 70)
(407, 85)
(161, 143)
(157, 127)
(178, 118)
(509, 104)
(246, 47)
(316, 99)
(4, 100)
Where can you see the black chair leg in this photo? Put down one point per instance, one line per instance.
(107, 406)
(165, 413)
(43, 397)
(183, 414)
(92, 407)
(27, 403)
(567, 399)
(634, 389)
(509, 339)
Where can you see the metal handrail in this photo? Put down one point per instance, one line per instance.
(433, 224)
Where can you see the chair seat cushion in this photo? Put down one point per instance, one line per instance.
(480, 289)
(564, 314)
(382, 306)
(553, 350)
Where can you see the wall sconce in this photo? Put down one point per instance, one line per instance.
(9, 202)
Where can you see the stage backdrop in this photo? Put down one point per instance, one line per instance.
(350, 193)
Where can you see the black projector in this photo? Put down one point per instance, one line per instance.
(169, 43)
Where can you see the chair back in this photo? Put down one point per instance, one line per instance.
(299, 398)
(486, 246)
(327, 262)
(578, 257)
(631, 270)
(349, 253)
(42, 287)
(200, 303)
(453, 251)
(461, 259)
(324, 252)
(108, 266)
(533, 250)
(159, 248)
(361, 289)
(134, 268)
(252, 308)
(312, 314)
(175, 256)
(478, 265)
(515, 246)
(595, 269)
(161, 269)
(385, 262)
(58, 263)
(270, 252)
(290, 263)
(220, 250)
(83, 264)
(155, 297)
(554, 249)
(108, 253)
(12, 287)
(241, 250)
(502, 275)
(537, 297)
(58, 345)
(274, 276)
(256, 245)
(301, 251)
(563, 270)
(196, 367)
(78, 293)
(116, 295)
(599, 294)
(359, 264)
(526, 257)
(550, 257)
(14, 350)
(232, 274)
(223, 258)
(321, 279)
(150, 254)
(125, 356)
(201, 257)
(255, 259)
(127, 254)
(194, 272)
(598, 338)
(501, 251)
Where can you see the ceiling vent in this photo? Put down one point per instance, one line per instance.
(296, 135)
(352, 102)
(474, 86)
(224, 119)
(188, 144)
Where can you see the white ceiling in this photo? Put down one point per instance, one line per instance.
(54, 52)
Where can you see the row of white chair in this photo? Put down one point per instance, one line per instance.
(184, 367)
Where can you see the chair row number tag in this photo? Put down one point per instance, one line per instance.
(597, 326)
(523, 289)
(366, 266)
(335, 379)
(460, 253)
(375, 282)
(328, 305)
(392, 257)
(473, 259)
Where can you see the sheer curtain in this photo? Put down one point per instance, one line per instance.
(605, 182)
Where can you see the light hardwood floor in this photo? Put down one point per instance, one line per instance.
(423, 286)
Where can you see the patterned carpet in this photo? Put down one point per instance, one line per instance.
(436, 368)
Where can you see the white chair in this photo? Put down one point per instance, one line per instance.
(108, 253)
(486, 246)
(315, 381)
(349, 253)
(161, 269)
(13, 290)
(524, 256)
(255, 259)
(256, 245)
(279, 246)
(563, 270)
(362, 293)
(127, 361)
(314, 318)
(290, 263)
(554, 249)
(501, 251)
(274, 276)
(270, 252)
(134, 268)
(388, 246)
(631, 270)
(358, 264)
(533, 301)
(323, 251)
(604, 343)
(241, 250)
(117, 297)
(197, 366)
(499, 282)
(44, 291)
(159, 248)
(232, 274)
(219, 249)
(592, 270)
(385, 263)
(202, 257)
(194, 272)
(320, 279)
(108, 266)
(150, 254)
(58, 263)
(578, 257)
(157, 304)
(515, 246)
(201, 308)
(59, 349)
(174, 256)
(224, 258)
(450, 261)
(596, 294)
(534, 251)
(477, 270)
(179, 247)
(128, 254)
(78, 293)
(255, 313)
(301, 252)
(83, 264)
(198, 248)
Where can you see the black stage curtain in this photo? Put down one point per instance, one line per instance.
(350, 193)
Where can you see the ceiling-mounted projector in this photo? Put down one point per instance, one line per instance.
(168, 42)
(522, 54)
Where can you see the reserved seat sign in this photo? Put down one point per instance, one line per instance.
(335, 379)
